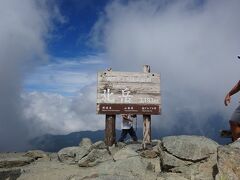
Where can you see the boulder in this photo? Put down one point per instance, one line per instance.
(74, 154)
(131, 167)
(82, 152)
(149, 154)
(120, 145)
(206, 169)
(124, 153)
(98, 145)
(68, 154)
(95, 157)
(36, 154)
(171, 176)
(193, 156)
(85, 142)
(169, 162)
(235, 144)
(135, 147)
(157, 147)
(153, 164)
(9, 160)
(192, 148)
(228, 163)
(10, 174)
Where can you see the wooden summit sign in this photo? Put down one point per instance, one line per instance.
(128, 93)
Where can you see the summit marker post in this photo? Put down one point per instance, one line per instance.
(128, 93)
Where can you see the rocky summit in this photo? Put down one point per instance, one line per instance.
(172, 157)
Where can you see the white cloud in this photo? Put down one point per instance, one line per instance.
(193, 46)
(65, 76)
(24, 27)
(56, 114)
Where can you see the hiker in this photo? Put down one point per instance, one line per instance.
(235, 119)
(127, 127)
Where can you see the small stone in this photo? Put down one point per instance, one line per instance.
(148, 154)
(120, 145)
(98, 145)
(67, 154)
(36, 154)
(86, 142)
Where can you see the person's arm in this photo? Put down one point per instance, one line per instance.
(233, 91)
(125, 117)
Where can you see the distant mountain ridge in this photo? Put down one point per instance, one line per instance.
(53, 143)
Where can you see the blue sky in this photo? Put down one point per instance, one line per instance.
(71, 53)
(71, 39)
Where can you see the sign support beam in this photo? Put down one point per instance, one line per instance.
(110, 130)
(146, 119)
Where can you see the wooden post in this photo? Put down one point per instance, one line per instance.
(110, 133)
(146, 119)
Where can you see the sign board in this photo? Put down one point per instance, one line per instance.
(128, 92)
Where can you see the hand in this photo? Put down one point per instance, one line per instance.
(227, 100)
(124, 116)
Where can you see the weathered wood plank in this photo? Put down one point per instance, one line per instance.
(136, 99)
(146, 119)
(141, 88)
(128, 109)
(132, 87)
(110, 130)
(146, 130)
(114, 76)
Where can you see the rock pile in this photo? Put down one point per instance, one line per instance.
(173, 157)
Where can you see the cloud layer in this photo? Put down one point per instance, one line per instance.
(193, 45)
(51, 113)
(60, 97)
(24, 27)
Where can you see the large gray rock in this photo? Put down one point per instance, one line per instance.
(95, 157)
(36, 154)
(153, 164)
(68, 154)
(131, 167)
(124, 153)
(228, 163)
(85, 142)
(171, 176)
(169, 162)
(193, 156)
(192, 148)
(9, 160)
(206, 169)
(135, 147)
(98, 145)
(74, 154)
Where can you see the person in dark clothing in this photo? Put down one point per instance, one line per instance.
(235, 119)
(127, 127)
